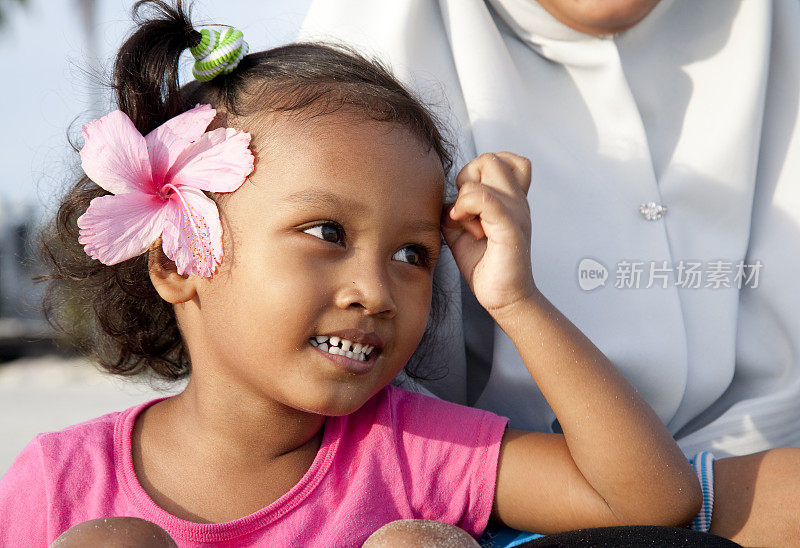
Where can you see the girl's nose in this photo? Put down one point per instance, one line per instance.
(367, 288)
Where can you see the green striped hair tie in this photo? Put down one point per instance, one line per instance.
(218, 53)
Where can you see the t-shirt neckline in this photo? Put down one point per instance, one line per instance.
(188, 530)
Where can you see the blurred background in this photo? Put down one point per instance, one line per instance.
(55, 56)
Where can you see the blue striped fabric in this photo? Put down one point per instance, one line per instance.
(703, 464)
(497, 536)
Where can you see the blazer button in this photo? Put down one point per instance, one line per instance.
(652, 211)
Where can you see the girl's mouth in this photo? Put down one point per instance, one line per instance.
(346, 354)
(342, 347)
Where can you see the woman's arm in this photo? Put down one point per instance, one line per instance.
(616, 463)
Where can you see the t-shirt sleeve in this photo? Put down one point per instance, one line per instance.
(452, 452)
(23, 500)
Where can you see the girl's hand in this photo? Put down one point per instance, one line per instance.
(616, 463)
(488, 229)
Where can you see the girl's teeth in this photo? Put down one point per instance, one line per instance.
(354, 351)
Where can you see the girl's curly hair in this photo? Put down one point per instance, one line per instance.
(114, 311)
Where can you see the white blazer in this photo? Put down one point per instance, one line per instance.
(695, 109)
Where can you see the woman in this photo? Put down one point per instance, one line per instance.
(665, 208)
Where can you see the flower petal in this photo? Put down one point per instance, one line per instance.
(114, 155)
(116, 228)
(192, 236)
(167, 141)
(218, 161)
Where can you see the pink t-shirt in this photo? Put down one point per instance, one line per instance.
(401, 455)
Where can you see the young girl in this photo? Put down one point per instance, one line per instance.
(324, 186)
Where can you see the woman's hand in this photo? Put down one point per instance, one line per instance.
(488, 229)
(755, 498)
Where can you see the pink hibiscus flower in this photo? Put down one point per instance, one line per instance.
(157, 185)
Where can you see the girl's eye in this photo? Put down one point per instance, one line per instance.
(411, 255)
(330, 232)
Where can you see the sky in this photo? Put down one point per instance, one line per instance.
(52, 78)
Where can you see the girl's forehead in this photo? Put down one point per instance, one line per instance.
(340, 127)
(341, 148)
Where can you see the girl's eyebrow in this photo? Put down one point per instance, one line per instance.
(323, 198)
(318, 198)
(422, 226)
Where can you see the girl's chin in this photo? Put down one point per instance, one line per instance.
(332, 410)
(332, 402)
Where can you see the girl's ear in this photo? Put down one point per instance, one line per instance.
(171, 286)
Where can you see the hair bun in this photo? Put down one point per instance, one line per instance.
(218, 53)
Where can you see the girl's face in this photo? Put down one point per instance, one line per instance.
(335, 235)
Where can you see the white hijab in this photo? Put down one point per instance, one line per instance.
(695, 108)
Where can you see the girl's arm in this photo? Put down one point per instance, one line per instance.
(616, 462)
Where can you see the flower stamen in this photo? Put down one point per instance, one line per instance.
(192, 222)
